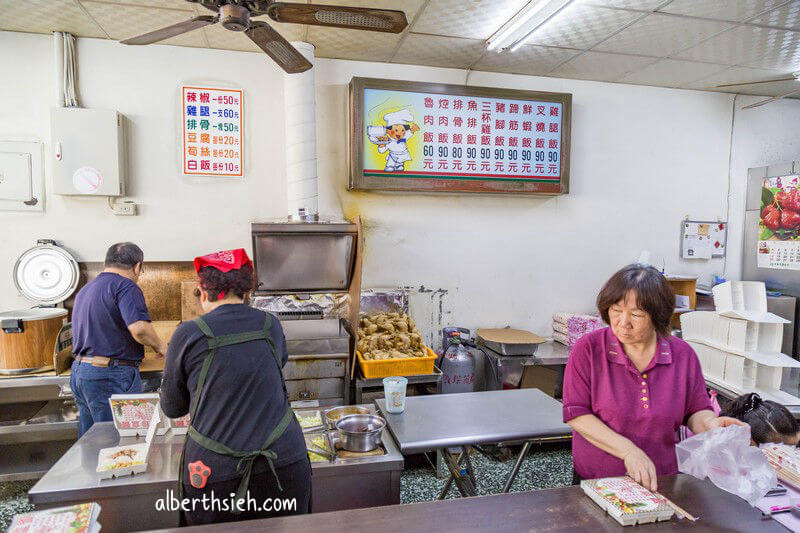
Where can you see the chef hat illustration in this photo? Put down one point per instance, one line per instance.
(402, 117)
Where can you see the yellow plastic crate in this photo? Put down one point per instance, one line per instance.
(407, 366)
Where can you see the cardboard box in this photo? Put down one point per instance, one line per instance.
(547, 378)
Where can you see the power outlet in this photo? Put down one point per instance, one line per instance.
(124, 209)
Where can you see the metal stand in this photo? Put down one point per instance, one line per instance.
(466, 484)
(514, 471)
(361, 383)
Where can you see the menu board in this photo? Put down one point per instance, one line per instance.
(212, 131)
(779, 224)
(433, 137)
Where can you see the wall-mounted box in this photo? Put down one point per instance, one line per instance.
(88, 151)
(21, 175)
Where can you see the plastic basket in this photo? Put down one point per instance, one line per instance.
(406, 366)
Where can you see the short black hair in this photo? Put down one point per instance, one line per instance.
(653, 294)
(769, 421)
(406, 126)
(124, 255)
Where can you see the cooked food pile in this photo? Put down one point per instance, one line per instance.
(389, 336)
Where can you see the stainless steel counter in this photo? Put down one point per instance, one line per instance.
(449, 420)
(39, 422)
(128, 503)
(551, 353)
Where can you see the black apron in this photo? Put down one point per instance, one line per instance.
(246, 459)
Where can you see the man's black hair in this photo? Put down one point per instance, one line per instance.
(124, 255)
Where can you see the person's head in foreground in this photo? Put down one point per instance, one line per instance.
(769, 421)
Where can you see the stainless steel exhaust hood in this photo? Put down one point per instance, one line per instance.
(303, 257)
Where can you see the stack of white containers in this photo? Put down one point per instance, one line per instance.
(739, 344)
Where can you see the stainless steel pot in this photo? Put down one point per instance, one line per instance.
(331, 416)
(360, 433)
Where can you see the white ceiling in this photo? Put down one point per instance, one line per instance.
(695, 44)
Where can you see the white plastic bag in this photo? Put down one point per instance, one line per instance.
(725, 456)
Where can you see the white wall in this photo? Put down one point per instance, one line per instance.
(642, 159)
(762, 136)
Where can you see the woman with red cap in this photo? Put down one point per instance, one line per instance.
(226, 370)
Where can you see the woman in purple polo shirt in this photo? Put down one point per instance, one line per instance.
(629, 387)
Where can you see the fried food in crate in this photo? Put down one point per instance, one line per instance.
(389, 336)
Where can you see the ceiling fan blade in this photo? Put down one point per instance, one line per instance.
(768, 100)
(791, 78)
(358, 18)
(171, 31)
(278, 48)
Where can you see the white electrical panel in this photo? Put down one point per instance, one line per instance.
(21, 176)
(87, 151)
(15, 176)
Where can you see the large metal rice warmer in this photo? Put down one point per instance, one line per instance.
(46, 275)
(295, 261)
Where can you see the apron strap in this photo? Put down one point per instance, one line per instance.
(246, 459)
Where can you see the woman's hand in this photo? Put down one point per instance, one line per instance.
(722, 422)
(641, 468)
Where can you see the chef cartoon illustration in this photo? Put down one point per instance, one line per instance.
(393, 138)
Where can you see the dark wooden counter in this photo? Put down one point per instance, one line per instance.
(562, 509)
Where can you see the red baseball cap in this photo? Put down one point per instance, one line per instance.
(224, 261)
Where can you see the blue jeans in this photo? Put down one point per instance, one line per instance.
(93, 385)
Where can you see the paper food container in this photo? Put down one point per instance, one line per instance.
(758, 341)
(746, 300)
(132, 413)
(178, 426)
(626, 501)
(122, 460)
(72, 519)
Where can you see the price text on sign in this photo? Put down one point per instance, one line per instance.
(458, 138)
(213, 121)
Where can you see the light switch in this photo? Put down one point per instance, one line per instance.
(16, 181)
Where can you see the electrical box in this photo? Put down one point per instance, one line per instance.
(21, 176)
(87, 151)
(16, 182)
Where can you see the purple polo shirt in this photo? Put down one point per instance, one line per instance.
(646, 407)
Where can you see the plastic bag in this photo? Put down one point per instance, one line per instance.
(725, 456)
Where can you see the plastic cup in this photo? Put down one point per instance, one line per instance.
(394, 390)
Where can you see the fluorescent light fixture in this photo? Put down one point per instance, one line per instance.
(508, 29)
(546, 11)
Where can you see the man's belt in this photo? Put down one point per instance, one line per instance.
(99, 360)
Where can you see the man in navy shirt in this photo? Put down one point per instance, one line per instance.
(110, 325)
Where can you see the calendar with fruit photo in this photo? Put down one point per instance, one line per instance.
(779, 226)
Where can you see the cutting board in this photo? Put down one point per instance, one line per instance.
(164, 329)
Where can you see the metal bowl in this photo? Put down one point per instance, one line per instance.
(331, 416)
(360, 433)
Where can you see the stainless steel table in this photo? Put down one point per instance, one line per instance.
(460, 420)
(129, 503)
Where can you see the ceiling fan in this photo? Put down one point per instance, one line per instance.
(792, 77)
(236, 15)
